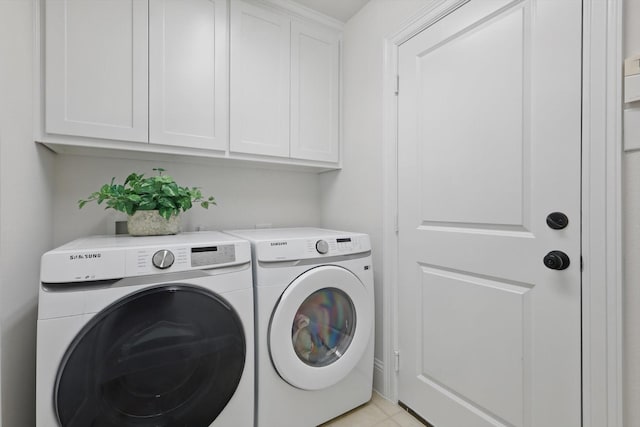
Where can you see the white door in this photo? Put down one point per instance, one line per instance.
(489, 145)
(188, 89)
(96, 68)
(260, 70)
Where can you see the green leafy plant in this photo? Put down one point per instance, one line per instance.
(140, 193)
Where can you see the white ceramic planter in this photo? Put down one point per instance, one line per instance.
(150, 223)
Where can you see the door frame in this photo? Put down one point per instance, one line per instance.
(601, 206)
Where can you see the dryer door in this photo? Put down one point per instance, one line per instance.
(166, 356)
(320, 327)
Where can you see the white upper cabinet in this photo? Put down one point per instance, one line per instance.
(244, 79)
(96, 68)
(315, 93)
(285, 87)
(260, 79)
(188, 89)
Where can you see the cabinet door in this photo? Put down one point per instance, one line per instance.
(260, 73)
(188, 89)
(315, 92)
(96, 68)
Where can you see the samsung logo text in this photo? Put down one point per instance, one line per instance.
(84, 256)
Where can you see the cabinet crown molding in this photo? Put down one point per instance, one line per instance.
(303, 12)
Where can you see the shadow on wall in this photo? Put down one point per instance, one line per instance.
(18, 360)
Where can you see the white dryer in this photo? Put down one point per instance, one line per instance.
(146, 332)
(314, 324)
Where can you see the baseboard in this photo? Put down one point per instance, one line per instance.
(378, 376)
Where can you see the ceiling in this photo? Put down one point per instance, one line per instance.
(341, 10)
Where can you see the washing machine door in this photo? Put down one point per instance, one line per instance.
(320, 328)
(166, 356)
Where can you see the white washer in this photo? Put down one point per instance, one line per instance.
(314, 324)
(146, 332)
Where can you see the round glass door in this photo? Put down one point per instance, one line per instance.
(321, 327)
(166, 356)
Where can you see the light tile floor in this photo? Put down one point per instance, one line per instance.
(378, 412)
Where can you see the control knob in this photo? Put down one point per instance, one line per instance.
(322, 247)
(163, 259)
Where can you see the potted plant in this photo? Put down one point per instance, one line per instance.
(153, 204)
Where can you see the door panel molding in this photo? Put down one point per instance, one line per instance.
(601, 204)
(449, 49)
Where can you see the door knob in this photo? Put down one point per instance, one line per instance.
(557, 220)
(556, 260)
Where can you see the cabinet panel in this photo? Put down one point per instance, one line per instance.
(96, 68)
(188, 99)
(260, 72)
(315, 93)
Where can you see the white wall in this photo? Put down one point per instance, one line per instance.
(631, 233)
(245, 196)
(352, 198)
(25, 214)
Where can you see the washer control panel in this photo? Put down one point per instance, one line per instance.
(213, 255)
(182, 258)
(163, 259)
(115, 257)
(141, 261)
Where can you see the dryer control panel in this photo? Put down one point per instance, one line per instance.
(314, 247)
